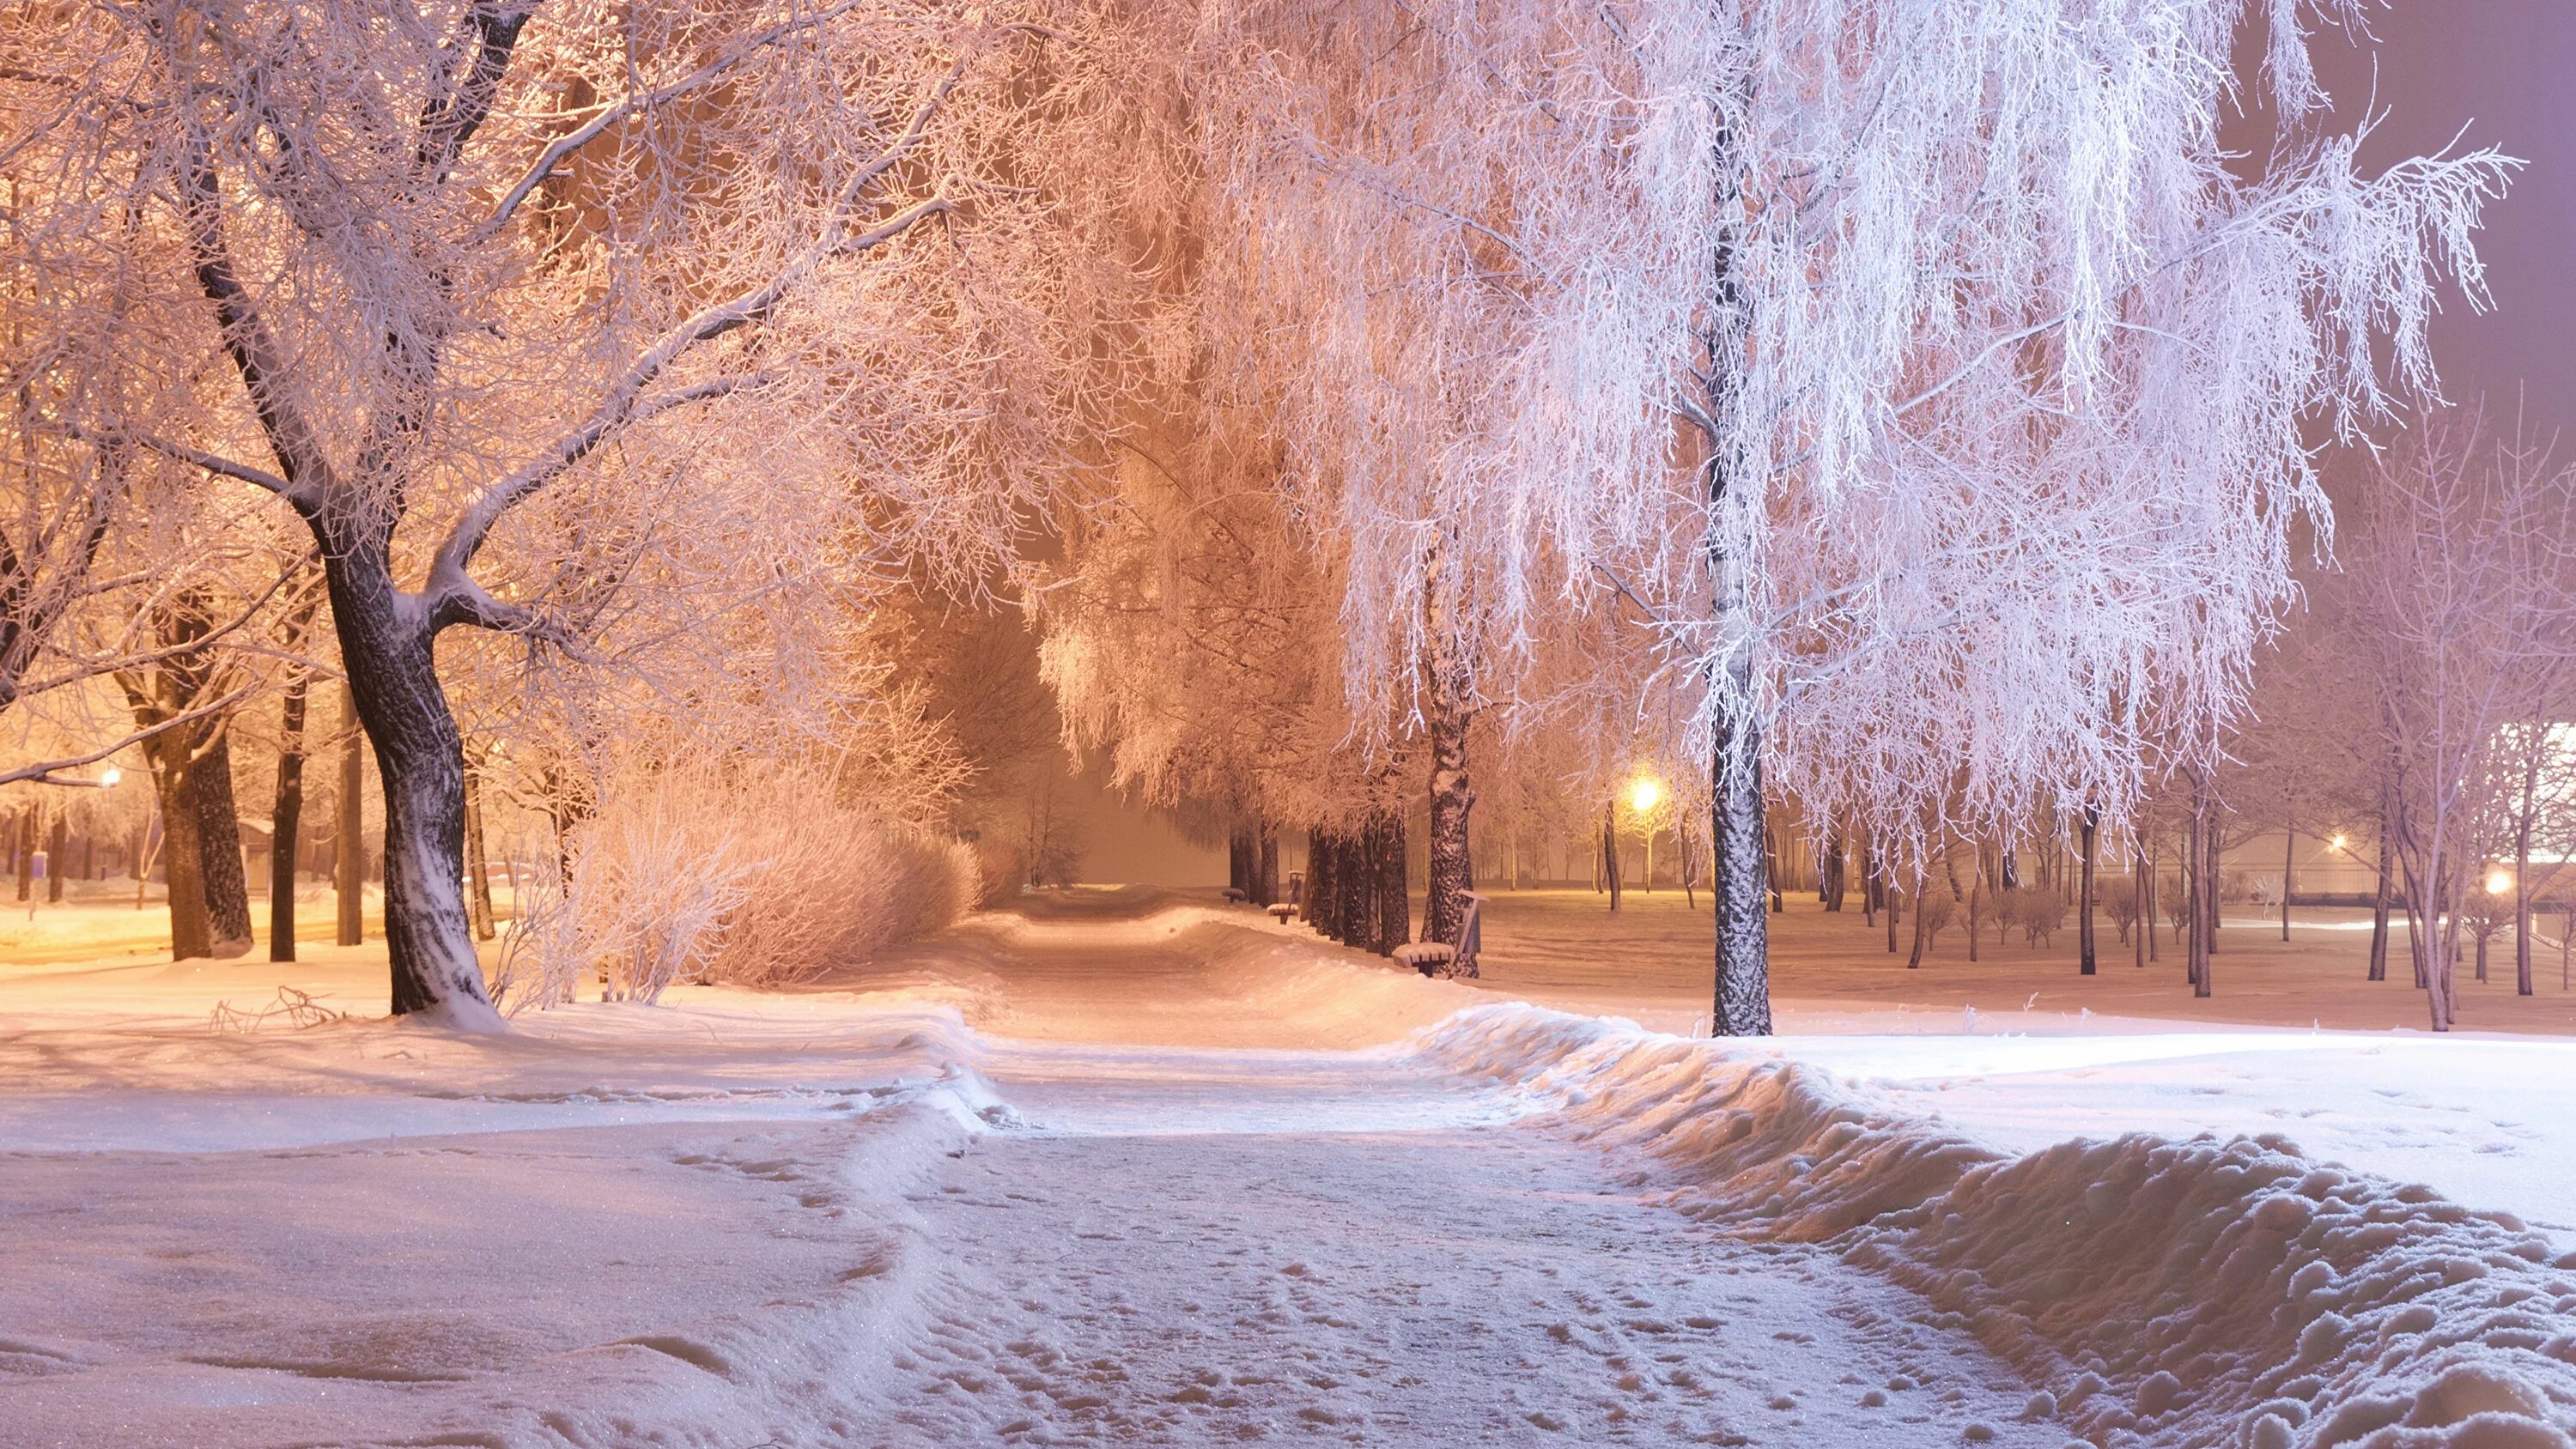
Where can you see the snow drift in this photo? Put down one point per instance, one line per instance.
(2194, 1293)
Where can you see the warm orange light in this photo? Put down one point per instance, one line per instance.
(1646, 794)
(2337, 843)
(2498, 882)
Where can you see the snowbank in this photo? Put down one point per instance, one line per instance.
(2196, 1293)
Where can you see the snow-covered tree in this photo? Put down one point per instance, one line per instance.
(464, 256)
(1930, 367)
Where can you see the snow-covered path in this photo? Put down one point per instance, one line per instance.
(1128, 1170)
(1188, 1247)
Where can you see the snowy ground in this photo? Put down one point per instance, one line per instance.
(1120, 1170)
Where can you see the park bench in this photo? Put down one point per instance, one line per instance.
(1280, 911)
(1446, 958)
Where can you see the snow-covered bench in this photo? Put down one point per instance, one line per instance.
(1426, 957)
(1441, 958)
(1234, 895)
(1280, 911)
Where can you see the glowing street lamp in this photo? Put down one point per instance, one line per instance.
(107, 778)
(1646, 794)
(2499, 881)
(2337, 843)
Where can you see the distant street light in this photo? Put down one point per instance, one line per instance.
(2498, 882)
(107, 779)
(2335, 844)
(1646, 794)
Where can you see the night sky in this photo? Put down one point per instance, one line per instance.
(2506, 69)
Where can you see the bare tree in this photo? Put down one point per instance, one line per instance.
(2460, 552)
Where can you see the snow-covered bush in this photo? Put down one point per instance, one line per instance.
(2265, 891)
(748, 876)
(2038, 912)
(2119, 898)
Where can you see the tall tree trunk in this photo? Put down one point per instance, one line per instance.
(183, 870)
(1357, 887)
(24, 848)
(1737, 849)
(1610, 854)
(349, 846)
(388, 643)
(1394, 914)
(220, 872)
(286, 819)
(1323, 912)
(58, 857)
(1265, 867)
(2289, 865)
(2522, 867)
(2379, 905)
(1447, 713)
(2092, 826)
(1835, 850)
(2011, 862)
(2204, 844)
(478, 870)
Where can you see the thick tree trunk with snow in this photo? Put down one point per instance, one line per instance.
(286, 820)
(1742, 1005)
(1265, 866)
(389, 648)
(1835, 851)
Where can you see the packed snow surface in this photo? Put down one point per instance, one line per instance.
(1118, 1170)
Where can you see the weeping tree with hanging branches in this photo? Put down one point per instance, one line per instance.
(453, 258)
(1926, 369)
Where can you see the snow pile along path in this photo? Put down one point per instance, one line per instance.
(2196, 1293)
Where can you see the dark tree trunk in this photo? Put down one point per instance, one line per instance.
(1394, 915)
(1610, 854)
(1238, 861)
(58, 858)
(2011, 863)
(2088, 964)
(2522, 869)
(348, 842)
(2204, 880)
(420, 759)
(1322, 912)
(1265, 867)
(220, 871)
(182, 873)
(2289, 863)
(1357, 890)
(24, 847)
(1834, 882)
(286, 820)
(1914, 962)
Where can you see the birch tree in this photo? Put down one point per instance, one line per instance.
(1930, 367)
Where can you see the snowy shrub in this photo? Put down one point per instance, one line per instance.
(2176, 900)
(2036, 911)
(1935, 910)
(752, 878)
(2119, 898)
(2265, 891)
